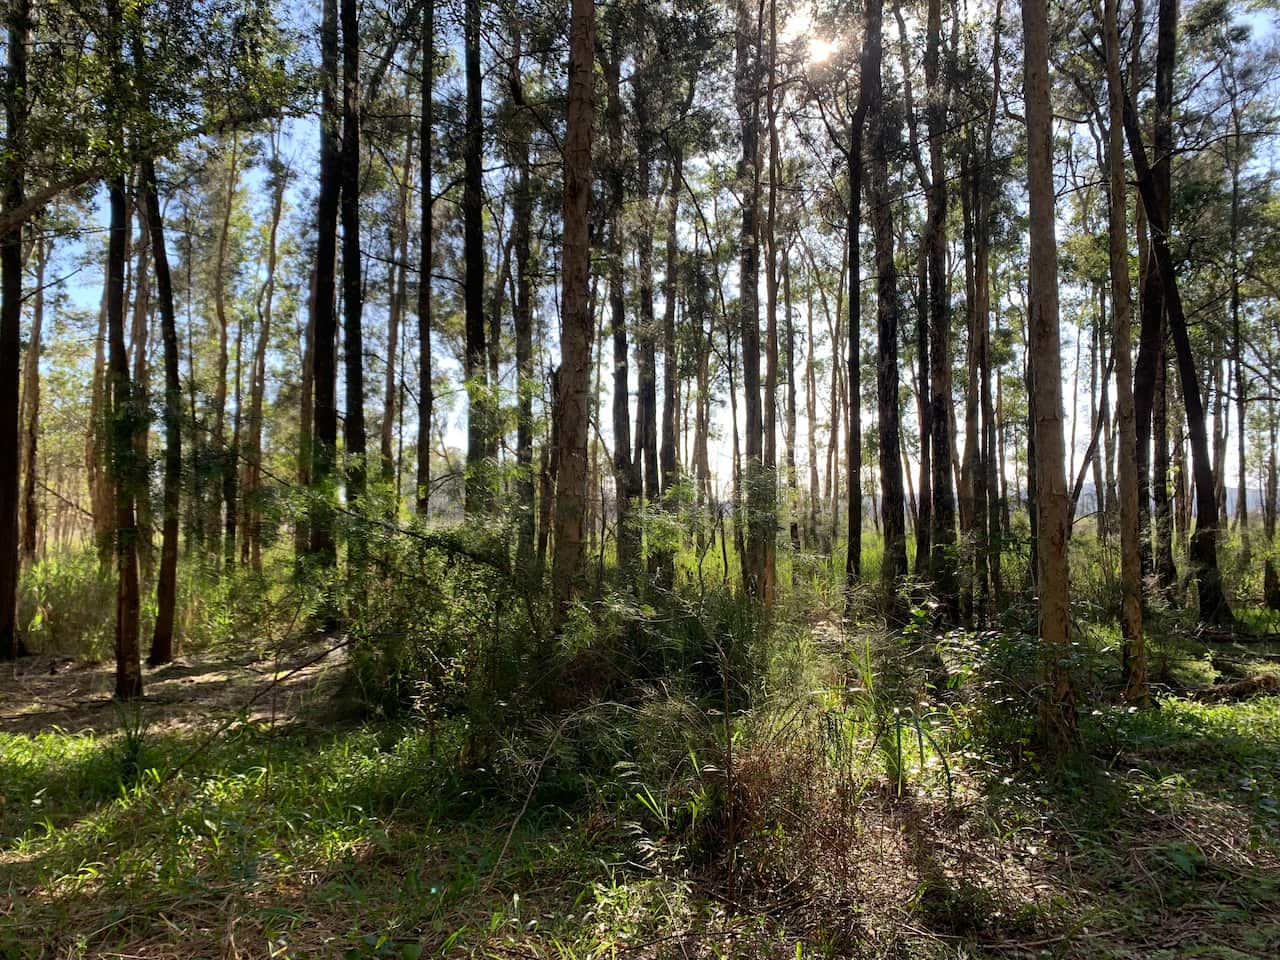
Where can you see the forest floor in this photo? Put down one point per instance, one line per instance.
(242, 813)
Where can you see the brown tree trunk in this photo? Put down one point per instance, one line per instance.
(628, 482)
(166, 583)
(576, 323)
(754, 479)
(1134, 657)
(425, 240)
(353, 428)
(324, 308)
(894, 564)
(138, 347)
(522, 213)
(11, 197)
(1043, 340)
(480, 423)
(1203, 554)
(125, 421)
(29, 420)
(251, 487)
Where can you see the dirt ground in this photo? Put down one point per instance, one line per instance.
(41, 692)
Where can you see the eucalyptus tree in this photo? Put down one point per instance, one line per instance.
(1043, 342)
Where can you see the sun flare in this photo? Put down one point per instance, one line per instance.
(820, 50)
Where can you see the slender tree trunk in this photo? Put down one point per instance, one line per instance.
(306, 419)
(1043, 338)
(396, 288)
(251, 492)
(29, 418)
(811, 412)
(166, 583)
(628, 482)
(353, 428)
(924, 412)
(480, 425)
(793, 483)
(942, 488)
(425, 240)
(125, 419)
(138, 346)
(576, 323)
(747, 97)
(324, 316)
(12, 195)
(523, 322)
(894, 564)
(1203, 554)
(1134, 653)
(218, 440)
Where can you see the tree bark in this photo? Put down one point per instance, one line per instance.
(425, 240)
(479, 497)
(894, 564)
(125, 420)
(1203, 554)
(747, 99)
(12, 190)
(167, 581)
(576, 323)
(353, 428)
(1134, 659)
(1043, 340)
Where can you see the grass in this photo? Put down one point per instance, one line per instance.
(865, 794)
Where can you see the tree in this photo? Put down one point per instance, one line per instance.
(352, 290)
(887, 310)
(747, 100)
(425, 239)
(12, 190)
(1135, 665)
(481, 424)
(324, 318)
(1043, 342)
(576, 325)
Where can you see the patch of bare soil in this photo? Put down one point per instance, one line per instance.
(39, 693)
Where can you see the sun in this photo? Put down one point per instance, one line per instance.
(820, 50)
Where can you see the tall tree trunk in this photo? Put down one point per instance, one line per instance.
(396, 284)
(12, 195)
(793, 483)
(138, 346)
(1043, 339)
(1134, 653)
(218, 440)
(993, 465)
(125, 420)
(944, 508)
(773, 92)
(479, 422)
(576, 323)
(306, 418)
(869, 78)
(811, 413)
(324, 316)
(894, 564)
(628, 482)
(747, 99)
(924, 412)
(29, 419)
(1203, 554)
(353, 429)
(251, 492)
(167, 582)
(522, 214)
(425, 240)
